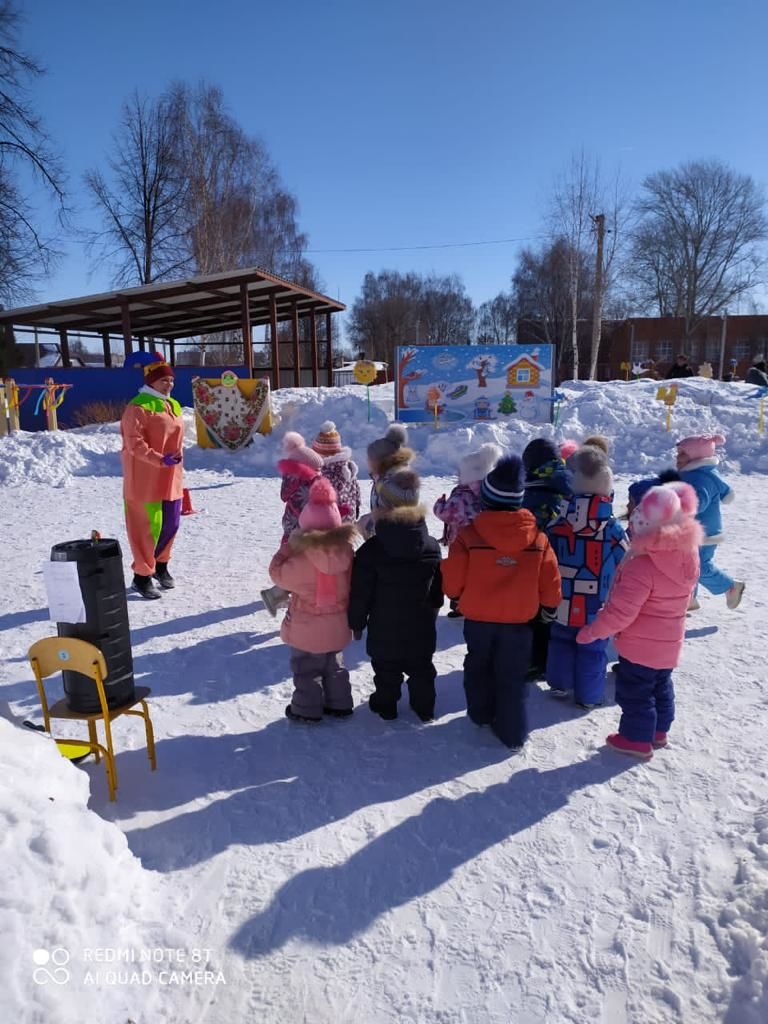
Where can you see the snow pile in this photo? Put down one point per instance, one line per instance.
(628, 414)
(70, 884)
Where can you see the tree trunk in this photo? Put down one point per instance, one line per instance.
(481, 381)
(597, 311)
(575, 328)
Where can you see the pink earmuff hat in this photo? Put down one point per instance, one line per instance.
(664, 506)
(700, 446)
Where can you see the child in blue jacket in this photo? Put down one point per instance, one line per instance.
(697, 465)
(589, 543)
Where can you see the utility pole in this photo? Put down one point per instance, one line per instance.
(723, 334)
(597, 302)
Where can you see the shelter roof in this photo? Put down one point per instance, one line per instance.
(178, 309)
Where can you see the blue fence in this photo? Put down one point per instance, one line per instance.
(102, 385)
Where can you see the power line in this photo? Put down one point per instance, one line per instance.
(437, 245)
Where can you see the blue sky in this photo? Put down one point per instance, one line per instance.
(415, 123)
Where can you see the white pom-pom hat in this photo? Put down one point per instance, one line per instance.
(295, 449)
(477, 465)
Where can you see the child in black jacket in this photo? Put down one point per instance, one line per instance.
(397, 593)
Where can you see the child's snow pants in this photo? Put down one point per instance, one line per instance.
(646, 697)
(710, 577)
(151, 527)
(577, 667)
(497, 660)
(388, 680)
(320, 681)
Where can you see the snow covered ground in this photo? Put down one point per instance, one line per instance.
(371, 871)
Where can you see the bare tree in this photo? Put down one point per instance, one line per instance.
(24, 147)
(542, 286)
(573, 203)
(144, 201)
(697, 244)
(497, 320)
(400, 309)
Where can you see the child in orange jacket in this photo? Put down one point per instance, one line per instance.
(502, 571)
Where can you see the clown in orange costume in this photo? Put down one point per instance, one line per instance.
(152, 429)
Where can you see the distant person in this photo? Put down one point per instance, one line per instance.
(757, 375)
(680, 368)
(152, 429)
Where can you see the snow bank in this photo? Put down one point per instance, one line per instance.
(70, 884)
(628, 414)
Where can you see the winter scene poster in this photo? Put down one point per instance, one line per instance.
(482, 383)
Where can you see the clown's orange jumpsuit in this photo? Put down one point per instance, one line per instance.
(151, 428)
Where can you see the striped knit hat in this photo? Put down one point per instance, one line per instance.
(328, 440)
(503, 489)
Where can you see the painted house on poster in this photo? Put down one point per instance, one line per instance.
(523, 372)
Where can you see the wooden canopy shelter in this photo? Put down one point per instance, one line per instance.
(172, 310)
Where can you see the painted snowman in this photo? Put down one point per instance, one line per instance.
(529, 407)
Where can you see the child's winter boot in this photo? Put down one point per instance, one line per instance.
(734, 594)
(163, 577)
(338, 712)
(660, 740)
(290, 713)
(632, 747)
(274, 598)
(386, 711)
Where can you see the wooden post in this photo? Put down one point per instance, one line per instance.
(296, 349)
(107, 348)
(66, 362)
(172, 350)
(245, 321)
(12, 394)
(126, 316)
(328, 336)
(313, 343)
(5, 409)
(52, 420)
(274, 342)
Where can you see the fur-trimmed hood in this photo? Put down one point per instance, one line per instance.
(402, 514)
(330, 551)
(400, 459)
(290, 467)
(673, 548)
(343, 455)
(402, 532)
(711, 460)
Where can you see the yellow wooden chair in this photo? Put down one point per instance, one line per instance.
(56, 654)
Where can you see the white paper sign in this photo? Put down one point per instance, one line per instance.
(65, 599)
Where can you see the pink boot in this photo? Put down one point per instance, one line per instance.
(632, 747)
(660, 740)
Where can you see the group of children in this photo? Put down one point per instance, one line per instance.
(538, 565)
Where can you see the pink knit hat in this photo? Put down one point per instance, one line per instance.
(700, 446)
(295, 448)
(664, 506)
(321, 511)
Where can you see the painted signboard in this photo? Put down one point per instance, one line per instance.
(451, 383)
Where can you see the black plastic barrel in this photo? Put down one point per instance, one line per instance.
(100, 570)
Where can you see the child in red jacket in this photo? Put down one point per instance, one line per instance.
(502, 571)
(645, 613)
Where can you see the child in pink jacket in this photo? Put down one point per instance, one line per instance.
(315, 566)
(645, 614)
(299, 466)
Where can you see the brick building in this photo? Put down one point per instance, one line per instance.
(656, 341)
